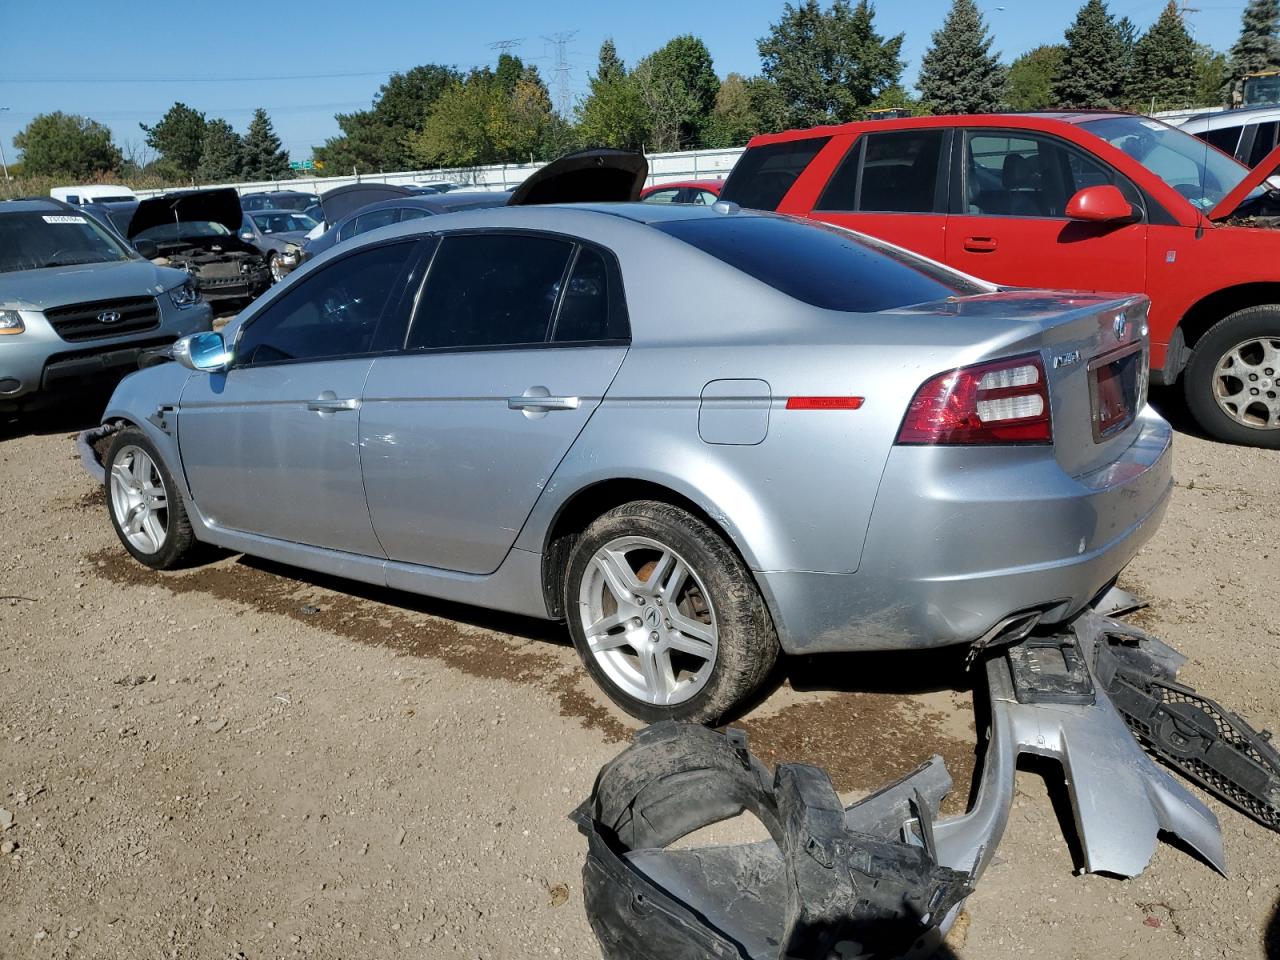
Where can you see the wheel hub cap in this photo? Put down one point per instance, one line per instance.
(1246, 383)
(139, 500)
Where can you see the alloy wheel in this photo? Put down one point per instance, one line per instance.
(648, 620)
(1246, 383)
(139, 500)
(277, 274)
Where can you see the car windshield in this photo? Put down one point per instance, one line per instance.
(30, 241)
(283, 222)
(183, 231)
(1196, 170)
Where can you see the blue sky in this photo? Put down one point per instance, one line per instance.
(304, 62)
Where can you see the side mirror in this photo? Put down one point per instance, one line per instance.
(1101, 204)
(147, 249)
(205, 352)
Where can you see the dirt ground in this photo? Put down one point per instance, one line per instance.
(244, 760)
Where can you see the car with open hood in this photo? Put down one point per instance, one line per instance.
(198, 231)
(801, 439)
(1096, 201)
(78, 305)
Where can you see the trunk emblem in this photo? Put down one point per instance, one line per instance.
(1066, 359)
(1120, 325)
(109, 316)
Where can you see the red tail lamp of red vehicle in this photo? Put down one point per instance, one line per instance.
(1006, 401)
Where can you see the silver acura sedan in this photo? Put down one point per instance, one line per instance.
(700, 435)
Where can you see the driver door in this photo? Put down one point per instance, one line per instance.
(271, 446)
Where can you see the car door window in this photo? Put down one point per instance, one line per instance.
(1264, 141)
(377, 218)
(412, 213)
(764, 175)
(334, 312)
(591, 309)
(663, 196)
(486, 290)
(1015, 175)
(705, 197)
(1224, 138)
(891, 172)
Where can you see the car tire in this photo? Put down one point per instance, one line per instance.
(666, 617)
(1227, 385)
(144, 503)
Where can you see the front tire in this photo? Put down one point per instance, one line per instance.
(666, 617)
(1232, 383)
(144, 504)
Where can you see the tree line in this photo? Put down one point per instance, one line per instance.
(818, 64)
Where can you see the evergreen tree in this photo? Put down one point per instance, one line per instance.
(1030, 82)
(220, 154)
(1211, 76)
(959, 73)
(179, 139)
(1164, 64)
(828, 65)
(611, 66)
(262, 157)
(1258, 48)
(613, 114)
(1088, 76)
(1129, 34)
(734, 120)
(68, 145)
(678, 85)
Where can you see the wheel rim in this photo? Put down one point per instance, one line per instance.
(1246, 383)
(274, 264)
(139, 500)
(648, 620)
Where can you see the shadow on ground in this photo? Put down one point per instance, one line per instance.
(1271, 939)
(69, 415)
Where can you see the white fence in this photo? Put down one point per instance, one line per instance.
(663, 168)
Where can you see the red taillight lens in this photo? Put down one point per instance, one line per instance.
(1006, 401)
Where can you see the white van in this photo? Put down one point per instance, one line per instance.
(93, 193)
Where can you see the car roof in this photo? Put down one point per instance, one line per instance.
(265, 210)
(1232, 118)
(700, 184)
(33, 205)
(1045, 118)
(435, 202)
(273, 193)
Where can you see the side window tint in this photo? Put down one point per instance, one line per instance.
(347, 230)
(378, 218)
(763, 175)
(662, 196)
(1264, 141)
(490, 290)
(589, 310)
(333, 313)
(412, 213)
(1224, 138)
(899, 174)
(1014, 175)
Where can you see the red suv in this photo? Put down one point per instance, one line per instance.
(1086, 201)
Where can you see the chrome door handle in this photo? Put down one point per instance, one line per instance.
(332, 405)
(542, 404)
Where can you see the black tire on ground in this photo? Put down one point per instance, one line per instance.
(179, 544)
(1198, 379)
(747, 644)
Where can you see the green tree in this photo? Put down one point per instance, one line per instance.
(959, 73)
(220, 156)
(678, 85)
(1212, 71)
(1164, 63)
(826, 65)
(1088, 76)
(262, 157)
(733, 120)
(613, 113)
(1257, 48)
(1129, 34)
(179, 139)
(67, 145)
(377, 139)
(1030, 82)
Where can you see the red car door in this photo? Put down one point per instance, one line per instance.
(1013, 187)
(889, 184)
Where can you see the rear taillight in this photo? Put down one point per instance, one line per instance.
(1006, 401)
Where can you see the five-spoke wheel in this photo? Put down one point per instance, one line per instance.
(146, 508)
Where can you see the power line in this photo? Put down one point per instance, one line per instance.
(107, 78)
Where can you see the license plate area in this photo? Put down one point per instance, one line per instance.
(1117, 391)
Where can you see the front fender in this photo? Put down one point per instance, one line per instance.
(149, 400)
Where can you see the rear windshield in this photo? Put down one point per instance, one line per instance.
(763, 175)
(822, 265)
(29, 241)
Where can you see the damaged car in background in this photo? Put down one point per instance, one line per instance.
(198, 231)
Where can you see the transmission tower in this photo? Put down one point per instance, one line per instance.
(506, 46)
(563, 70)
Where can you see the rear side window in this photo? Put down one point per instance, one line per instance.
(763, 175)
(1224, 138)
(590, 310)
(1264, 141)
(487, 290)
(822, 265)
(892, 172)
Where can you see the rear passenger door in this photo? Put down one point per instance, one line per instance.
(1011, 227)
(893, 185)
(515, 339)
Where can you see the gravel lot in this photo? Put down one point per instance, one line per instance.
(244, 760)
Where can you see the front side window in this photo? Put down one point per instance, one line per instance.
(487, 290)
(334, 312)
(765, 174)
(281, 222)
(30, 241)
(705, 197)
(1013, 175)
(662, 196)
(891, 172)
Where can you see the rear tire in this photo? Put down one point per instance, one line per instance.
(1232, 383)
(666, 617)
(144, 503)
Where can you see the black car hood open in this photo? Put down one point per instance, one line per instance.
(340, 201)
(600, 175)
(188, 206)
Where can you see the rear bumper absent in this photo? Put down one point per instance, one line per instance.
(962, 538)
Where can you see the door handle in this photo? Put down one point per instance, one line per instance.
(980, 244)
(543, 404)
(332, 405)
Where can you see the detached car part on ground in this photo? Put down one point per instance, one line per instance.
(197, 231)
(78, 305)
(885, 877)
